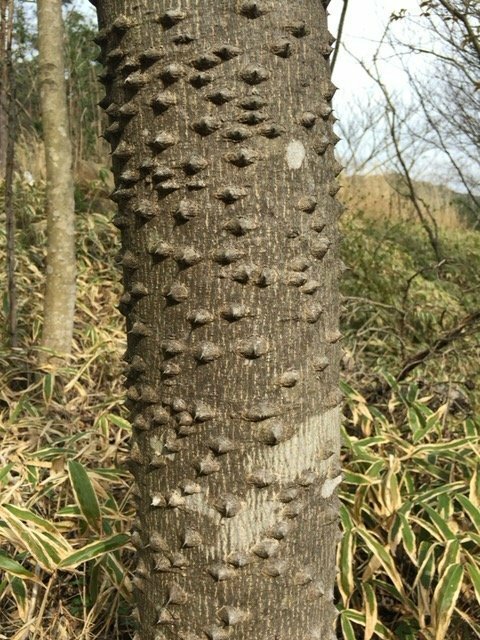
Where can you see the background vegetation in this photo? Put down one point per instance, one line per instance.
(409, 561)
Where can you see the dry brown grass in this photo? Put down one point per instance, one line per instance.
(45, 423)
(384, 197)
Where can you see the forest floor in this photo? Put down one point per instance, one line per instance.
(409, 560)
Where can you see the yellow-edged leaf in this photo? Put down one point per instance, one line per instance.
(445, 599)
(474, 575)
(27, 538)
(94, 550)
(371, 610)
(14, 568)
(385, 559)
(85, 495)
(346, 582)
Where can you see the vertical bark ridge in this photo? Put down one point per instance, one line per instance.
(222, 147)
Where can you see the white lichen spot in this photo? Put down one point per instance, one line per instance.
(295, 154)
(330, 485)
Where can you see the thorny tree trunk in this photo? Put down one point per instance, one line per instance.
(225, 179)
(59, 302)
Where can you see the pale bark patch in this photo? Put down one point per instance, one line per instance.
(288, 460)
(295, 154)
(330, 485)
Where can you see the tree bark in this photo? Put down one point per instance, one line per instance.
(222, 147)
(59, 303)
(8, 91)
(6, 28)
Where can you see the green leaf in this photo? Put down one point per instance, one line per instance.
(445, 599)
(408, 537)
(94, 550)
(382, 555)
(451, 555)
(14, 568)
(440, 524)
(358, 479)
(415, 423)
(371, 610)
(119, 422)
(85, 495)
(345, 518)
(20, 593)
(472, 428)
(427, 564)
(29, 516)
(474, 494)
(347, 628)
(474, 575)
(4, 471)
(359, 618)
(346, 551)
(472, 511)
(29, 540)
(48, 386)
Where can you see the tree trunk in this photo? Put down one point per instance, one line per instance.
(8, 90)
(222, 151)
(6, 27)
(59, 304)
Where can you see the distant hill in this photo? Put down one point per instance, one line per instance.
(387, 196)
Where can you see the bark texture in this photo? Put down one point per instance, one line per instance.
(7, 158)
(222, 146)
(59, 304)
(6, 23)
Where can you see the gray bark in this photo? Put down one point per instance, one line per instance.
(6, 26)
(222, 146)
(59, 302)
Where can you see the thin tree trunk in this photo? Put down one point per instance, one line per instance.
(59, 302)
(11, 121)
(6, 28)
(225, 178)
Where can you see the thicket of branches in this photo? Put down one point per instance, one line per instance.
(432, 130)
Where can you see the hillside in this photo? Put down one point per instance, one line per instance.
(387, 196)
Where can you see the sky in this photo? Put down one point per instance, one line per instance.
(364, 26)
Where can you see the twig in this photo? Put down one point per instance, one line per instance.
(43, 606)
(421, 356)
(439, 345)
(341, 25)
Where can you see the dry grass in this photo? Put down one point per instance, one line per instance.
(44, 425)
(384, 197)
